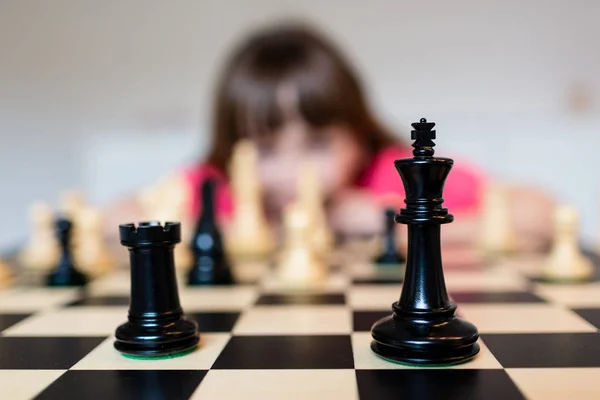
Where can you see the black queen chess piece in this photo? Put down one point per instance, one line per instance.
(423, 328)
(156, 323)
(65, 273)
(211, 265)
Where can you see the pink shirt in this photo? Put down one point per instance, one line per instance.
(462, 192)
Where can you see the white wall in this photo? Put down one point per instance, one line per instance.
(82, 82)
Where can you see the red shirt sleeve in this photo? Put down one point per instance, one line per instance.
(462, 191)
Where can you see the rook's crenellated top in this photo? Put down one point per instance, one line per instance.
(151, 232)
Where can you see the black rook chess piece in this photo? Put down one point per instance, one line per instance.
(156, 323)
(423, 328)
(211, 266)
(65, 273)
(390, 254)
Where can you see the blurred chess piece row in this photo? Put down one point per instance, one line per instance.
(42, 252)
(564, 263)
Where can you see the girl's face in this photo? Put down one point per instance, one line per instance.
(333, 150)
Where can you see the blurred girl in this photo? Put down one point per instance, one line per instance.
(291, 92)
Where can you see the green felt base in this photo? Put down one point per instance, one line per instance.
(425, 366)
(161, 357)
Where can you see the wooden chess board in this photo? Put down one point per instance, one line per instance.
(260, 340)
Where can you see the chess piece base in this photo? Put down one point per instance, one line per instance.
(148, 338)
(70, 277)
(299, 267)
(389, 260)
(560, 271)
(210, 275)
(427, 341)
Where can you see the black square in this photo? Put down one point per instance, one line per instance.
(129, 385)
(44, 352)
(286, 352)
(312, 299)
(214, 321)
(591, 315)
(8, 320)
(101, 301)
(435, 384)
(545, 350)
(364, 320)
(495, 297)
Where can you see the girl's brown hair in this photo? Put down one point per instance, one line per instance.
(327, 91)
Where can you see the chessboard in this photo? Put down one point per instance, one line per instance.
(260, 340)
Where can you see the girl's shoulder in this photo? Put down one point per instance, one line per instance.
(195, 175)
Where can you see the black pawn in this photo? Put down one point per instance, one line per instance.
(156, 323)
(65, 273)
(390, 255)
(211, 266)
(423, 328)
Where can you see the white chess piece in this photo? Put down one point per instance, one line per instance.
(565, 261)
(497, 236)
(311, 195)
(91, 253)
(299, 264)
(42, 251)
(248, 235)
(72, 201)
(168, 201)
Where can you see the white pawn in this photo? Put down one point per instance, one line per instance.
(565, 261)
(42, 251)
(497, 236)
(299, 264)
(311, 196)
(248, 235)
(91, 253)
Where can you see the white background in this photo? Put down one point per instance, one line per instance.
(107, 95)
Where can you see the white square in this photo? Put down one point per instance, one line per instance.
(523, 318)
(225, 298)
(74, 321)
(292, 320)
(582, 295)
(117, 283)
(365, 358)
(35, 299)
(26, 384)
(278, 384)
(487, 280)
(373, 297)
(557, 383)
(105, 356)
(333, 283)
